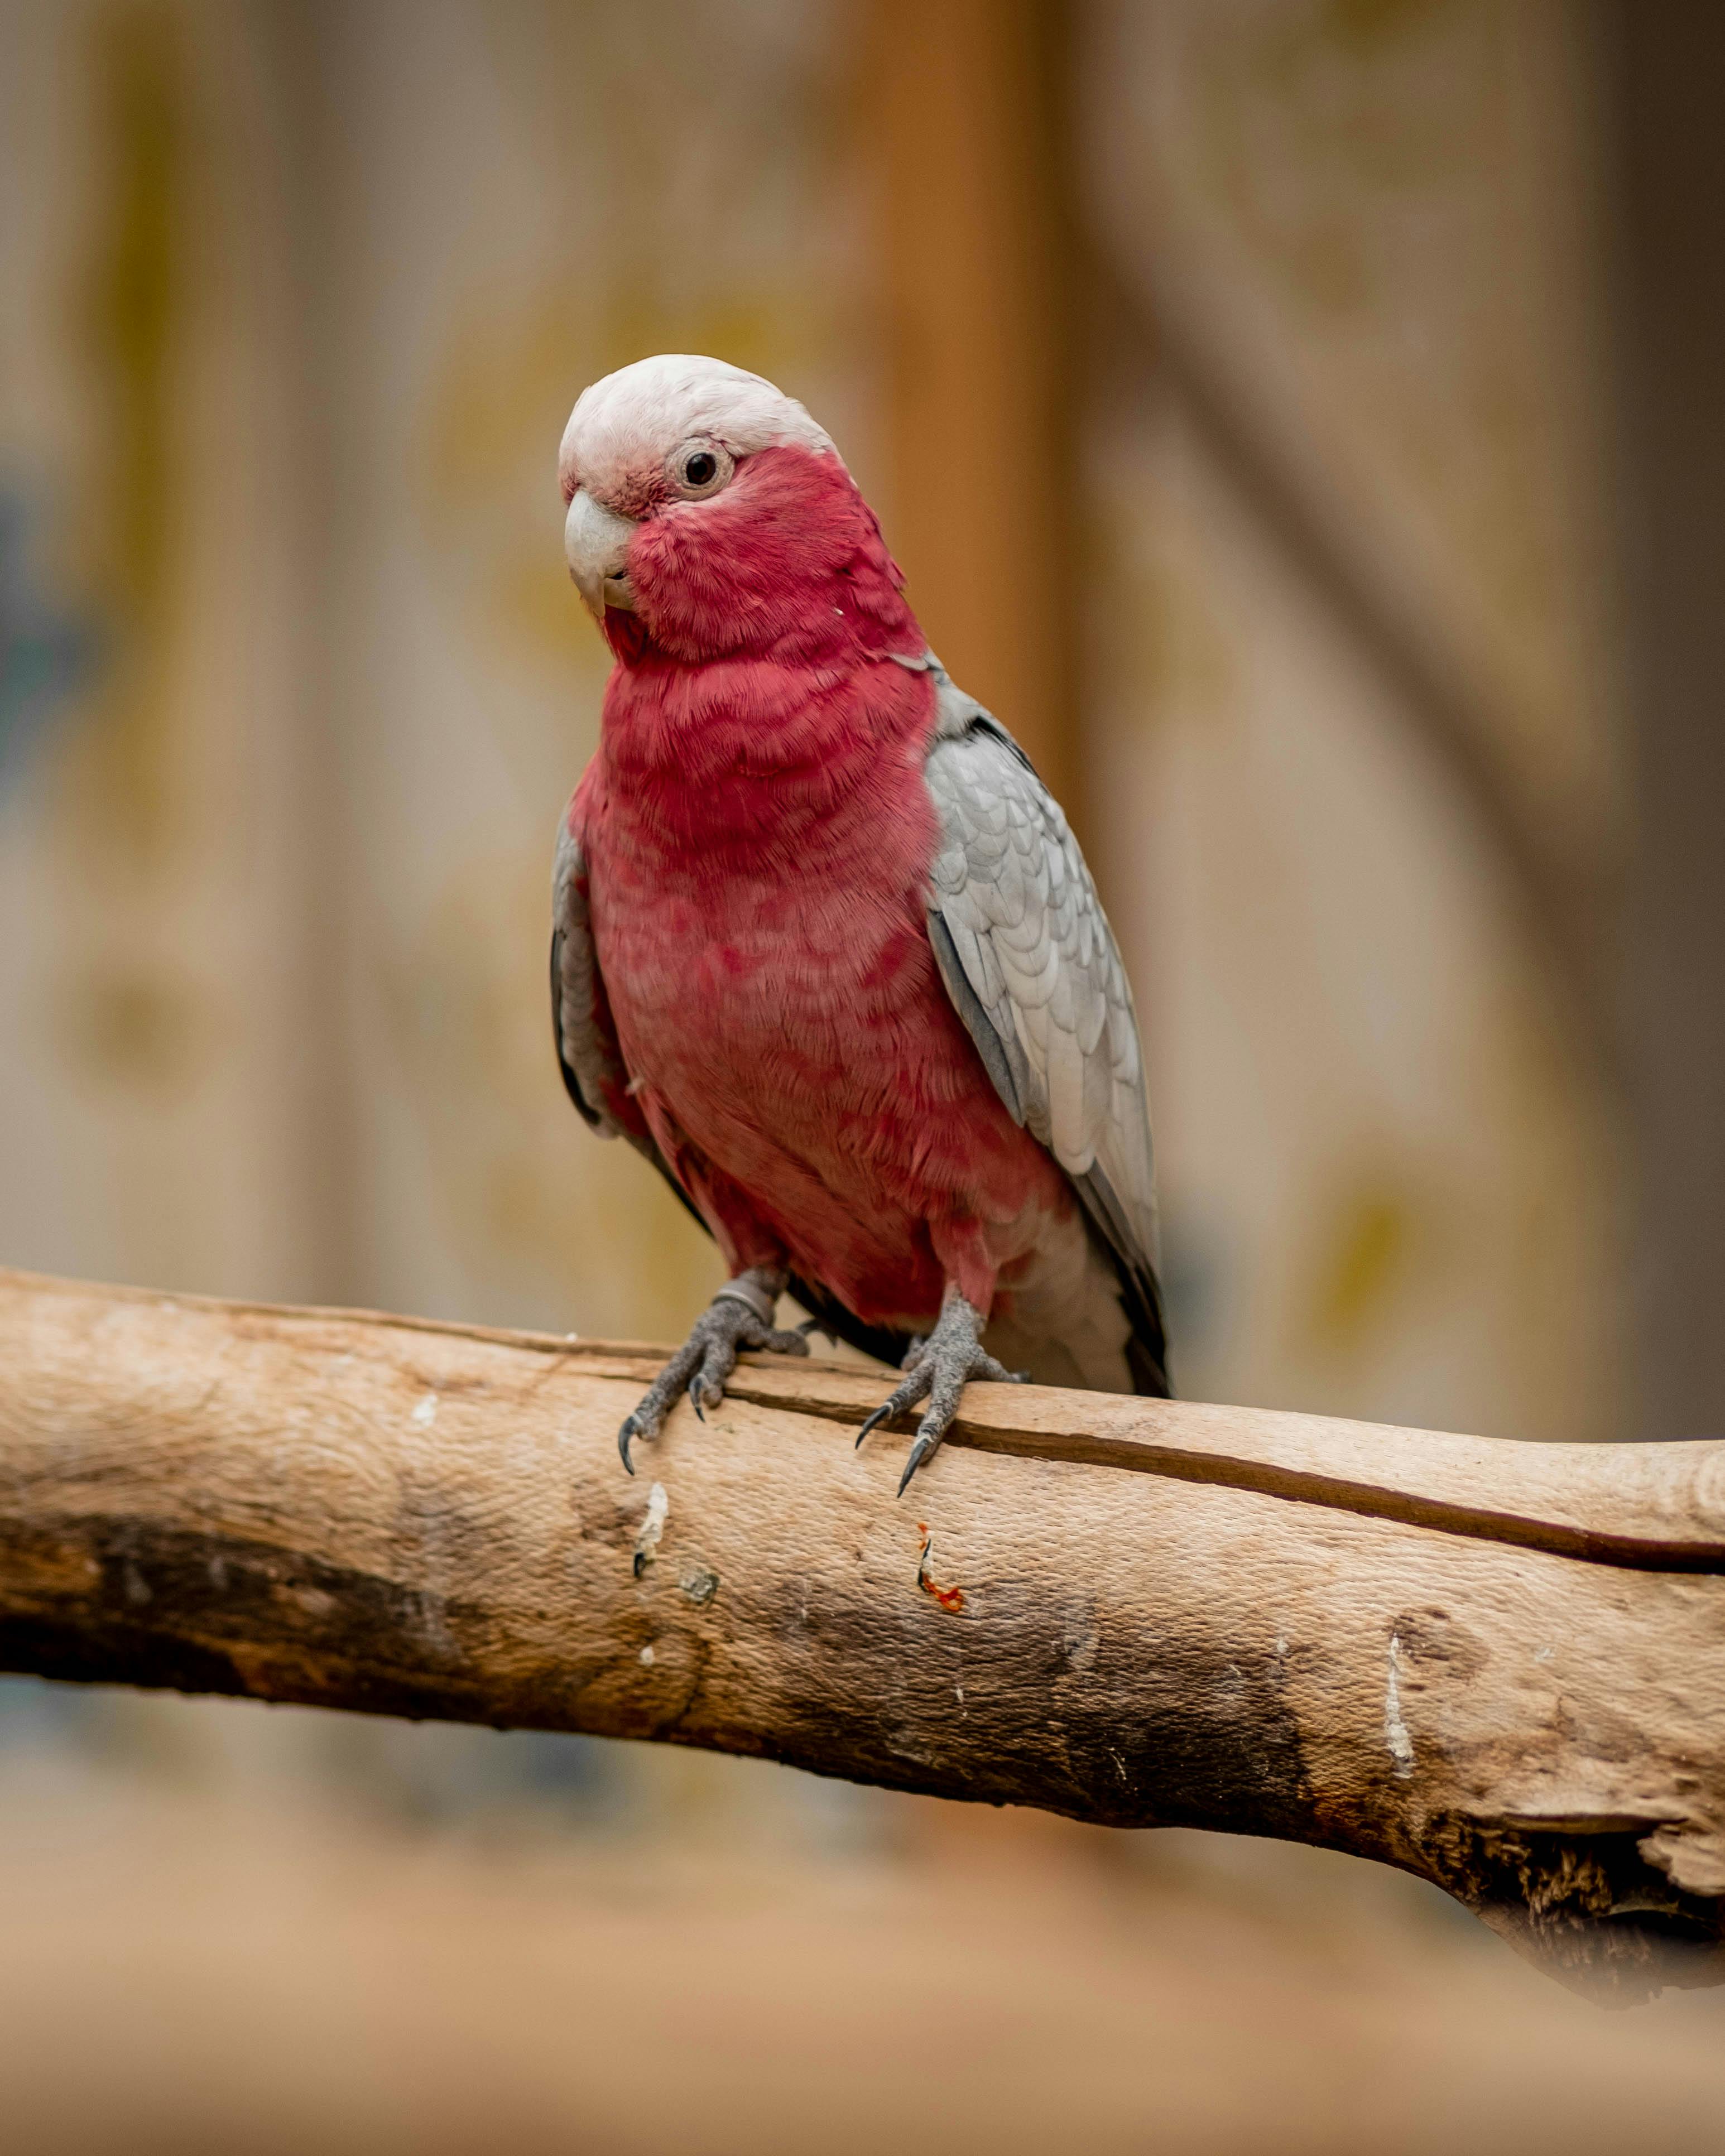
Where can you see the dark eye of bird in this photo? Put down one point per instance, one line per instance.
(700, 469)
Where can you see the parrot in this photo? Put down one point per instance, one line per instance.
(823, 948)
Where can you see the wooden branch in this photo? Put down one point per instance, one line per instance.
(1502, 1667)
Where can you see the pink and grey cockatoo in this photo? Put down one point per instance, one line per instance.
(823, 948)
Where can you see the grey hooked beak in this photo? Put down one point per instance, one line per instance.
(595, 540)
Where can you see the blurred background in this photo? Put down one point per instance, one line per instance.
(1300, 420)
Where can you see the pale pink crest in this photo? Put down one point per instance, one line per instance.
(626, 425)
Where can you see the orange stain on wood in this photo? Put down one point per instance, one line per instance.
(949, 1598)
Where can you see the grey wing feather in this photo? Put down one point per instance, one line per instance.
(1031, 964)
(586, 1048)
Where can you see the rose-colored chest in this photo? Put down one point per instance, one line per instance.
(760, 962)
(762, 937)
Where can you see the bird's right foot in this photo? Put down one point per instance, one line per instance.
(938, 1369)
(739, 1315)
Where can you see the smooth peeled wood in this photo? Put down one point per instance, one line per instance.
(1500, 1665)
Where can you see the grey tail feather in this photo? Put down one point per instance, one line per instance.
(1146, 1349)
(1146, 1360)
(1140, 1290)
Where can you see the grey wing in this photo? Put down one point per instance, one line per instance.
(1032, 967)
(588, 1051)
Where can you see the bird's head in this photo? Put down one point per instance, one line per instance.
(708, 515)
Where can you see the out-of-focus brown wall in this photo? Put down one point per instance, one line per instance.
(1356, 630)
(965, 116)
(297, 299)
(1663, 74)
(1251, 390)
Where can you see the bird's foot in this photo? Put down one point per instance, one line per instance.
(739, 1315)
(938, 1369)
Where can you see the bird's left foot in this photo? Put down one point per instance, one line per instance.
(938, 1369)
(739, 1315)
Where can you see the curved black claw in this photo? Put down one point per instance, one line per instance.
(873, 1422)
(938, 1369)
(740, 1315)
(904, 1395)
(919, 1452)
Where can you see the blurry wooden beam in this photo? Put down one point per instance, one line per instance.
(1665, 79)
(1153, 326)
(1008, 320)
(966, 121)
(1500, 1666)
(308, 46)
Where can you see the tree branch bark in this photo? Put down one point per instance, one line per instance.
(1501, 1666)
